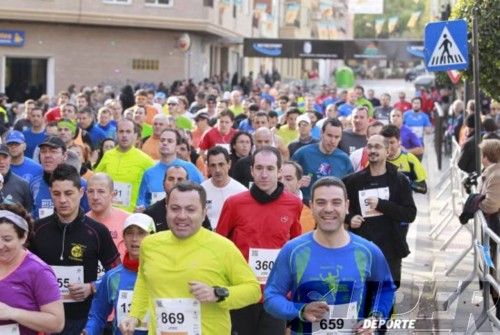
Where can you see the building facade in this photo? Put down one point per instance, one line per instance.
(47, 45)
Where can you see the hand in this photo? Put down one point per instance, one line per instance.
(202, 292)
(314, 311)
(80, 292)
(359, 329)
(305, 181)
(372, 202)
(357, 221)
(127, 326)
(6, 312)
(84, 332)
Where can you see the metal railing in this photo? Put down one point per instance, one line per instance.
(452, 191)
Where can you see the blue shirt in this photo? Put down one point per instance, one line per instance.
(416, 121)
(97, 135)
(318, 164)
(345, 109)
(106, 299)
(408, 139)
(338, 276)
(32, 141)
(42, 200)
(246, 126)
(109, 129)
(27, 170)
(152, 180)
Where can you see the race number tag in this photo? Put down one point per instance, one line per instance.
(100, 270)
(11, 329)
(180, 316)
(339, 319)
(123, 309)
(261, 261)
(381, 193)
(123, 194)
(157, 196)
(44, 212)
(68, 275)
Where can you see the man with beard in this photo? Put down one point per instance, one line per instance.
(380, 199)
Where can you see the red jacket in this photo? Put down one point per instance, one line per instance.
(250, 224)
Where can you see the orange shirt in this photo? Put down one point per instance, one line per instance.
(307, 220)
(150, 147)
(114, 222)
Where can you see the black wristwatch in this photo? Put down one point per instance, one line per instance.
(221, 293)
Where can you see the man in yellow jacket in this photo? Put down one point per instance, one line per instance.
(189, 277)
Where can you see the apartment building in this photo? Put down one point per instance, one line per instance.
(47, 45)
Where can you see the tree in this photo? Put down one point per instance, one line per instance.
(489, 34)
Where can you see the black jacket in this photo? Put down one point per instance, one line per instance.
(467, 161)
(242, 171)
(158, 212)
(81, 242)
(385, 231)
(16, 189)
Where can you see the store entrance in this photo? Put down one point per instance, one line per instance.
(25, 78)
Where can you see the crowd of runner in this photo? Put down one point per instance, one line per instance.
(206, 211)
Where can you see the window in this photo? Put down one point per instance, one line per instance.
(208, 3)
(160, 3)
(118, 2)
(145, 64)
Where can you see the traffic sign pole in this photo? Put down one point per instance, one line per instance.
(477, 112)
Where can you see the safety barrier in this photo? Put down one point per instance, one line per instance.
(452, 191)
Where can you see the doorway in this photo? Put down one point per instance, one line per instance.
(25, 78)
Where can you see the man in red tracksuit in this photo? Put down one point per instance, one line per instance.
(260, 221)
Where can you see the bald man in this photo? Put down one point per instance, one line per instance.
(100, 193)
(152, 143)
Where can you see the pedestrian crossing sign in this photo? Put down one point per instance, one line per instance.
(445, 46)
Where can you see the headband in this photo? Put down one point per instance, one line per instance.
(68, 124)
(16, 219)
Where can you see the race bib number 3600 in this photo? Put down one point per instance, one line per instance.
(180, 316)
(262, 261)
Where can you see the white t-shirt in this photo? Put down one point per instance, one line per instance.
(355, 157)
(216, 197)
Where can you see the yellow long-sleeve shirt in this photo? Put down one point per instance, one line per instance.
(126, 169)
(167, 264)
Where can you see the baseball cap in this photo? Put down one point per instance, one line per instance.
(15, 136)
(201, 115)
(143, 221)
(303, 118)
(54, 142)
(4, 150)
(172, 100)
(160, 95)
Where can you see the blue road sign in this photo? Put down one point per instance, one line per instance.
(11, 38)
(445, 46)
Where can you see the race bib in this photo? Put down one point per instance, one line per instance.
(11, 329)
(157, 196)
(262, 261)
(68, 275)
(44, 212)
(123, 309)
(180, 316)
(381, 193)
(123, 194)
(100, 270)
(419, 131)
(339, 319)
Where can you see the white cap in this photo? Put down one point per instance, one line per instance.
(143, 221)
(173, 99)
(303, 118)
